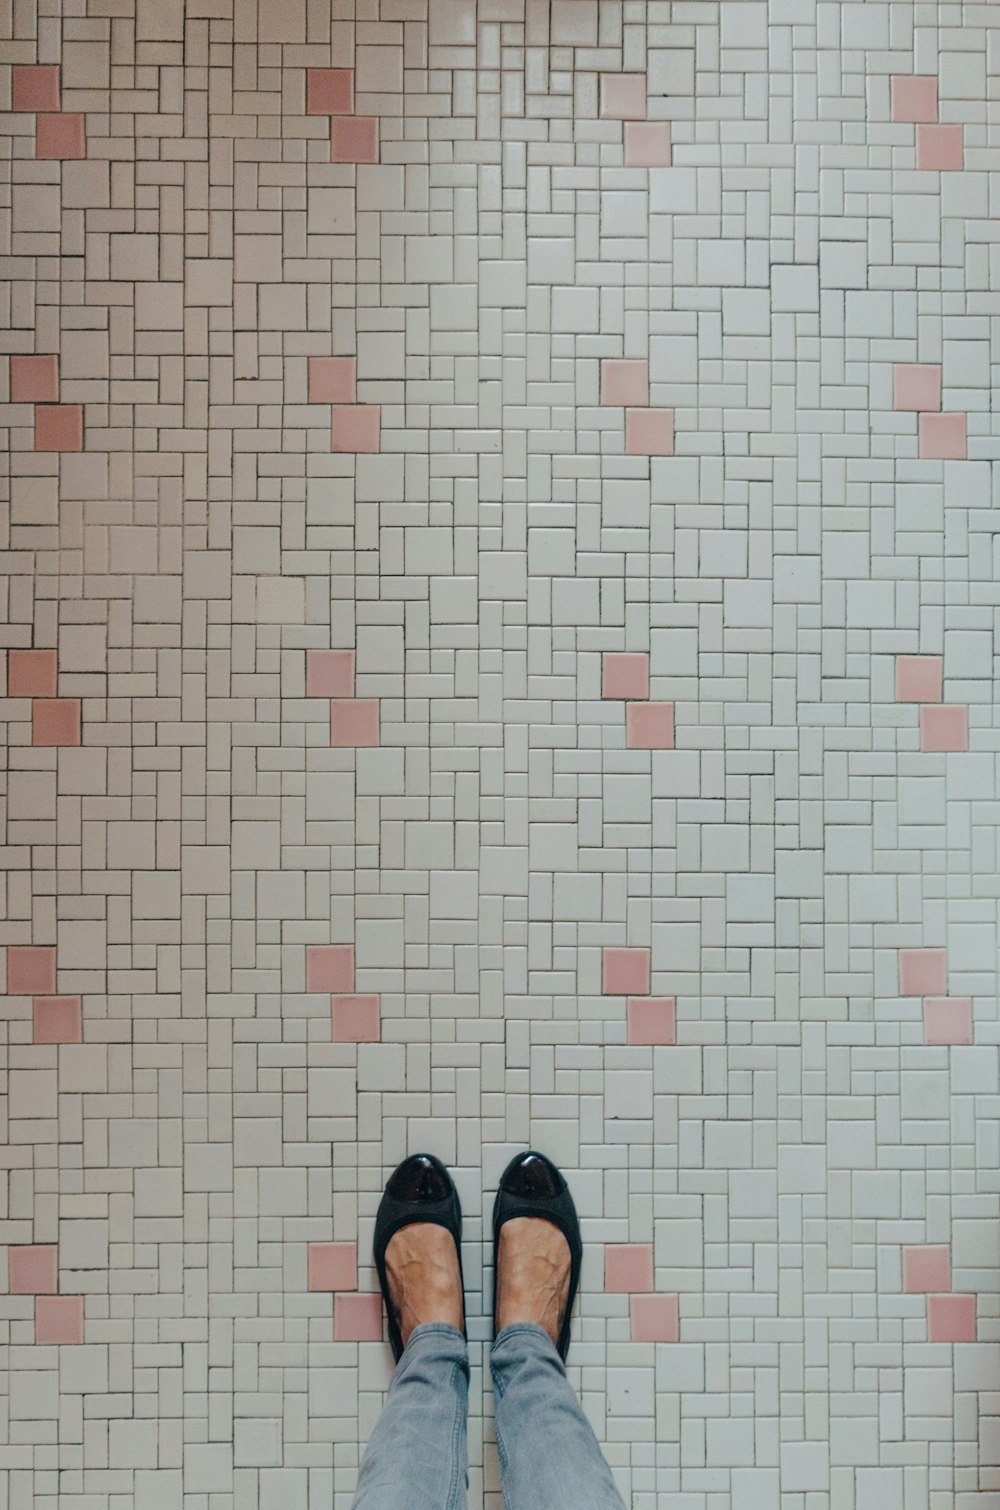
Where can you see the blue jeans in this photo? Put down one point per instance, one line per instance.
(416, 1457)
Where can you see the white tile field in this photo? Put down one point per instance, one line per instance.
(501, 550)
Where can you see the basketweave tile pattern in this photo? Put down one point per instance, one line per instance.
(500, 616)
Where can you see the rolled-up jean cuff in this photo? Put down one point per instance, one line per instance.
(519, 1328)
(433, 1329)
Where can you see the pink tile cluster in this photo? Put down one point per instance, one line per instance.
(947, 1019)
(624, 98)
(648, 432)
(54, 720)
(33, 1269)
(940, 148)
(625, 382)
(31, 971)
(625, 972)
(354, 1017)
(648, 725)
(354, 721)
(333, 1267)
(628, 1270)
(927, 1271)
(916, 389)
(35, 380)
(35, 90)
(944, 728)
(353, 138)
(354, 428)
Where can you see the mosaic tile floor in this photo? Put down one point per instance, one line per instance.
(501, 592)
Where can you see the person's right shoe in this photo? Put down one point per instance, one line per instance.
(532, 1186)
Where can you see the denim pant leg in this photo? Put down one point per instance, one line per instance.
(549, 1455)
(417, 1457)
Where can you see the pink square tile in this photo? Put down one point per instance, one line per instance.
(649, 432)
(922, 972)
(59, 1318)
(31, 969)
(916, 385)
(355, 1019)
(56, 1019)
(33, 1269)
(649, 726)
(940, 148)
(652, 1019)
(60, 136)
(948, 1019)
(329, 673)
(625, 673)
(329, 967)
(624, 381)
(34, 380)
(914, 97)
(944, 729)
(356, 427)
(55, 721)
(625, 972)
(951, 1318)
(647, 144)
(927, 1269)
(623, 96)
(943, 437)
(333, 1266)
(654, 1318)
(333, 380)
(34, 86)
(628, 1267)
(31, 673)
(354, 139)
(919, 678)
(329, 91)
(59, 427)
(357, 1318)
(354, 721)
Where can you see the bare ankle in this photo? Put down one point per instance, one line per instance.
(424, 1277)
(533, 1271)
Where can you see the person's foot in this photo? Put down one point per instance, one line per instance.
(425, 1281)
(532, 1279)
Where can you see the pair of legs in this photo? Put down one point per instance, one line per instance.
(416, 1458)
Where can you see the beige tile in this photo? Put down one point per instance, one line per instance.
(208, 281)
(36, 207)
(159, 20)
(134, 256)
(280, 600)
(281, 20)
(84, 354)
(257, 259)
(85, 65)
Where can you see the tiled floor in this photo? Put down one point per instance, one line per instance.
(501, 616)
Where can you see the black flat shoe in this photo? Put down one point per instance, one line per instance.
(418, 1190)
(531, 1185)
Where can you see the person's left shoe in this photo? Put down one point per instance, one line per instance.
(418, 1277)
